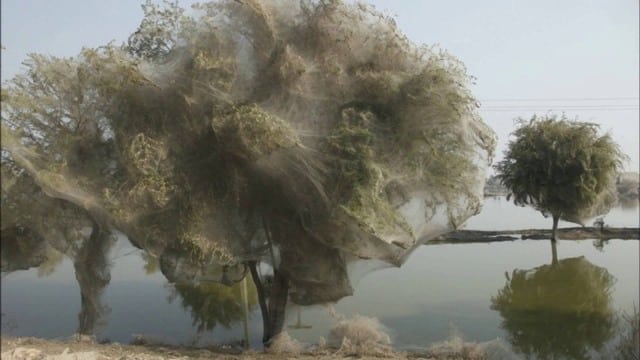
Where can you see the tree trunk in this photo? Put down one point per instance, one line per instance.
(92, 273)
(273, 314)
(277, 305)
(554, 250)
(555, 227)
(554, 253)
(266, 335)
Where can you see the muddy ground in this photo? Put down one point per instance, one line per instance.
(27, 348)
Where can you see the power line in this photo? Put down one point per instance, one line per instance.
(603, 106)
(619, 103)
(559, 109)
(565, 99)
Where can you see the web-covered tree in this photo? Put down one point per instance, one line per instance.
(38, 229)
(303, 134)
(562, 168)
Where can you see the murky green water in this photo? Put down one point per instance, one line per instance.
(508, 291)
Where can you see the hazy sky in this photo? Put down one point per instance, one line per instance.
(579, 56)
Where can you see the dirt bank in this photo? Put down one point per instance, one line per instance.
(574, 233)
(86, 349)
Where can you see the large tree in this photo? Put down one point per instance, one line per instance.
(306, 134)
(562, 168)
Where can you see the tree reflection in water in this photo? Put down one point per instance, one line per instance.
(88, 246)
(562, 310)
(213, 304)
(211, 292)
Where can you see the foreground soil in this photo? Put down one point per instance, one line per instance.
(28, 348)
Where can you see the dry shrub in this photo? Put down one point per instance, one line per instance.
(361, 335)
(284, 344)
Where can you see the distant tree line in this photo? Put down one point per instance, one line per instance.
(627, 186)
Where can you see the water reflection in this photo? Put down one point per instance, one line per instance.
(421, 317)
(213, 304)
(213, 294)
(562, 310)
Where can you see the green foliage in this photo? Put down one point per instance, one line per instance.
(360, 179)
(38, 220)
(157, 33)
(250, 133)
(22, 249)
(558, 311)
(561, 167)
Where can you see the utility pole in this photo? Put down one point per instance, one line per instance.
(299, 324)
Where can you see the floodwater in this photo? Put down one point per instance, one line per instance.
(504, 290)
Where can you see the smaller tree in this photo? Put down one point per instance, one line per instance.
(562, 168)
